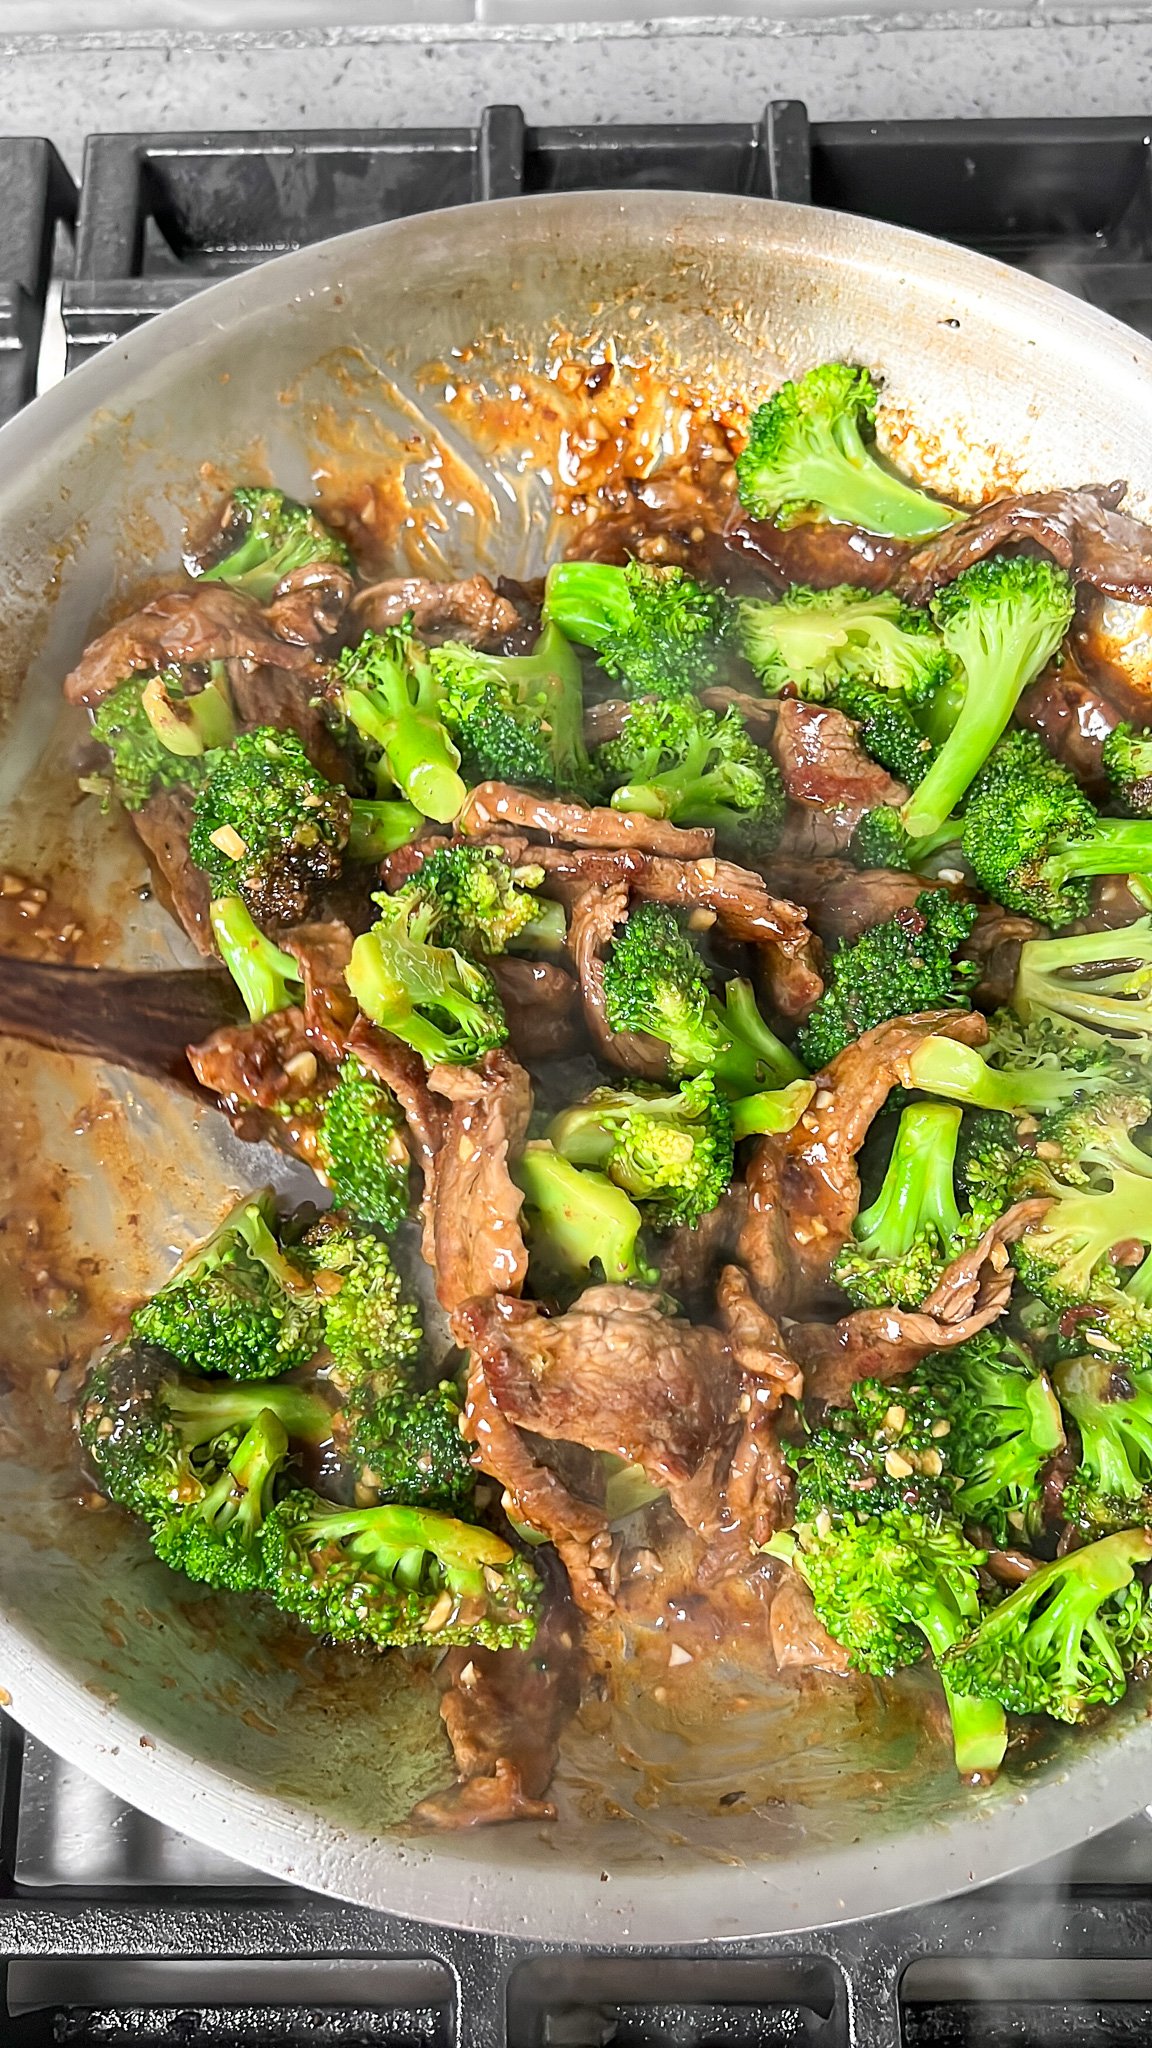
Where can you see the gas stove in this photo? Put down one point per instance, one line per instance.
(115, 1930)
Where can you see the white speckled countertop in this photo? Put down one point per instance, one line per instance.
(1025, 60)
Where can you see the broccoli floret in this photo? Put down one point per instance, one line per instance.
(386, 690)
(397, 1576)
(376, 829)
(1111, 1405)
(817, 642)
(1033, 838)
(895, 969)
(654, 981)
(1025, 1070)
(1064, 1640)
(516, 718)
(235, 1304)
(674, 759)
(670, 1152)
(578, 1222)
(160, 734)
(1002, 620)
(1096, 985)
(653, 629)
(1004, 1424)
(808, 456)
(1091, 1250)
(265, 537)
(901, 1244)
(407, 1448)
(158, 1440)
(1093, 1513)
(268, 828)
(266, 976)
(482, 904)
(370, 1326)
(880, 841)
(361, 1147)
(882, 1452)
(443, 1005)
(216, 1539)
(1127, 758)
(891, 1584)
(888, 730)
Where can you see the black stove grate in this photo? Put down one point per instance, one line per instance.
(113, 1930)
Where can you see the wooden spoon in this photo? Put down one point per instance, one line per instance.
(145, 1021)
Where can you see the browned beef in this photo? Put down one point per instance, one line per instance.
(841, 900)
(542, 1004)
(477, 1247)
(817, 553)
(604, 722)
(323, 951)
(829, 778)
(309, 603)
(284, 697)
(1073, 719)
(594, 919)
(739, 902)
(664, 518)
(266, 1064)
(1081, 529)
(504, 1712)
(468, 610)
(804, 1187)
(755, 1341)
(163, 823)
(994, 944)
(206, 623)
(693, 1256)
(499, 803)
(758, 713)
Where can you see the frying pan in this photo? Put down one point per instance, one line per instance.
(699, 1808)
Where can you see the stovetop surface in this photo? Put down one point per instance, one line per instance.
(115, 1930)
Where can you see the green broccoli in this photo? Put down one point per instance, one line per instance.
(376, 829)
(397, 1576)
(1025, 1070)
(1067, 1638)
(1127, 759)
(881, 1453)
(654, 981)
(1002, 620)
(216, 1539)
(516, 718)
(1004, 1424)
(1091, 1250)
(671, 1152)
(158, 1440)
(652, 629)
(385, 689)
(888, 730)
(898, 968)
(808, 457)
(267, 827)
(1033, 839)
(816, 642)
(1091, 1513)
(889, 1585)
(674, 759)
(265, 537)
(406, 1448)
(771, 1110)
(914, 1228)
(1111, 1405)
(578, 1222)
(443, 1005)
(370, 1326)
(361, 1147)
(160, 734)
(235, 1304)
(1095, 985)
(880, 841)
(268, 978)
(482, 904)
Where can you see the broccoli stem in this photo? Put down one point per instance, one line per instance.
(209, 1408)
(421, 758)
(853, 490)
(1115, 846)
(1094, 981)
(267, 978)
(546, 933)
(377, 829)
(942, 1066)
(772, 1110)
(587, 600)
(918, 1188)
(397, 1539)
(979, 1732)
(755, 1054)
(989, 702)
(190, 726)
(577, 1218)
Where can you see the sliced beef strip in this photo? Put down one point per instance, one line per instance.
(163, 824)
(309, 603)
(804, 1186)
(500, 803)
(829, 779)
(843, 901)
(266, 1064)
(477, 1246)
(594, 919)
(758, 713)
(283, 697)
(755, 1341)
(542, 1004)
(205, 623)
(662, 518)
(323, 950)
(692, 1256)
(1081, 529)
(751, 1496)
(504, 1712)
(994, 945)
(468, 610)
(884, 1343)
(818, 553)
(744, 909)
(1073, 719)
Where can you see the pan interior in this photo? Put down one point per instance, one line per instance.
(420, 371)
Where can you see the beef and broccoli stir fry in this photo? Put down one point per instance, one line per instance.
(730, 960)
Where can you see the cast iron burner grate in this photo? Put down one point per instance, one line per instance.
(113, 1930)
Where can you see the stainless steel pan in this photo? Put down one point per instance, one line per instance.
(206, 1714)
